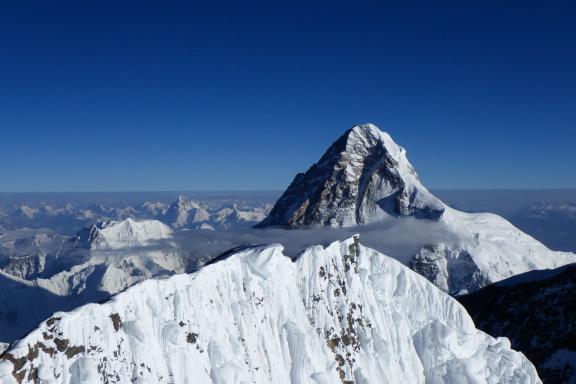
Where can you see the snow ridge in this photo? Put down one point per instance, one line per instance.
(124, 233)
(488, 249)
(344, 313)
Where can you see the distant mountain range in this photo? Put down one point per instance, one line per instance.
(67, 217)
(338, 312)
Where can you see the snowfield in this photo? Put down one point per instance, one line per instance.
(344, 313)
(127, 233)
(484, 248)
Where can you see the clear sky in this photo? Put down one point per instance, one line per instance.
(139, 95)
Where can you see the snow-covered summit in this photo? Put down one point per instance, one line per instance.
(99, 261)
(124, 233)
(184, 212)
(344, 313)
(190, 213)
(363, 177)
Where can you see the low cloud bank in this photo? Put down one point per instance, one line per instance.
(398, 238)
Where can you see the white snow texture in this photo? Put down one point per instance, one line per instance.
(340, 314)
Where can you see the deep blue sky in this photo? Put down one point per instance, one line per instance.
(111, 95)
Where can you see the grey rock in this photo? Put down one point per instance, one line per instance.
(363, 177)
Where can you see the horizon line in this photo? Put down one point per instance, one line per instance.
(282, 190)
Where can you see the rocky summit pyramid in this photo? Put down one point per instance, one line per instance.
(363, 177)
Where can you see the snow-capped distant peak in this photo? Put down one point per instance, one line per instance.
(184, 211)
(124, 233)
(363, 177)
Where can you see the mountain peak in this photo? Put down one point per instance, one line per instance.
(368, 135)
(363, 177)
(369, 130)
(118, 234)
(336, 314)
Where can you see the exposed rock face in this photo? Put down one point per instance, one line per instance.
(342, 314)
(30, 256)
(25, 267)
(537, 312)
(451, 270)
(363, 177)
(185, 212)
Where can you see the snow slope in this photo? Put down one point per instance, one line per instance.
(125, 233)
(488, 249)
(537, 312)
(365, 177)
(101, 261)
(185, 212)
(344, 313)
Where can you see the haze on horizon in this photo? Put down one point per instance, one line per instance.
(113, 96)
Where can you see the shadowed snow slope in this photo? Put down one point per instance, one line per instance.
(344, 313)
(537, 312)
(365, 177)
